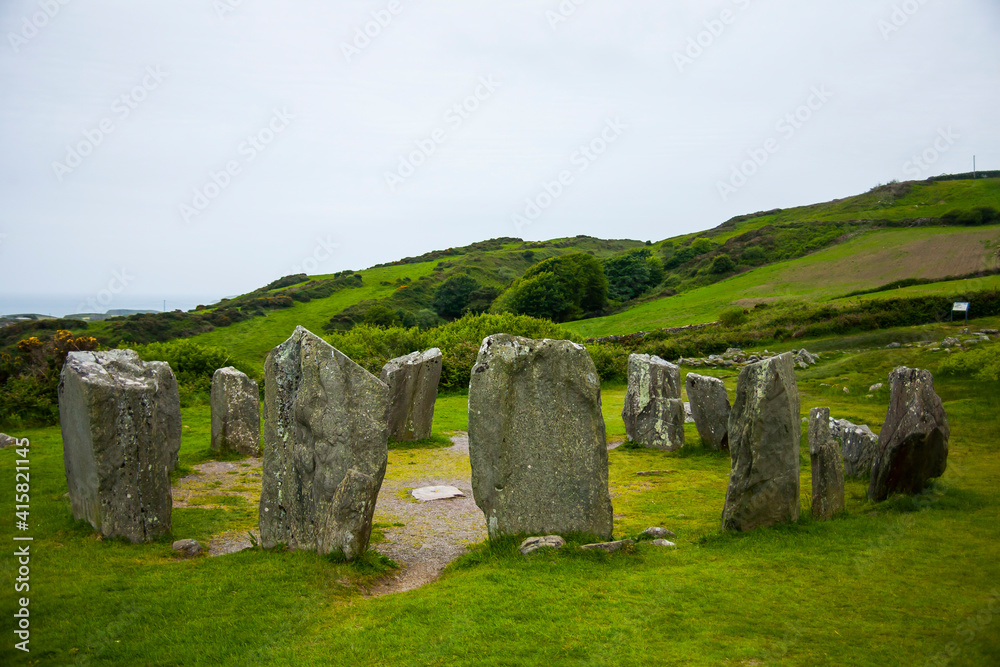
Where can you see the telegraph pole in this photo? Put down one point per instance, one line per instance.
(973, 166)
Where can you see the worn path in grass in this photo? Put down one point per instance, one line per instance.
(423, 537)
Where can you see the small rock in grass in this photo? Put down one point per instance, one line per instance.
(893, 346)
(876, 387)
(609, 547)
(533, 544)
(189, 548)
(655, 534)
(7, 441)
(846, 390)
(664, 543)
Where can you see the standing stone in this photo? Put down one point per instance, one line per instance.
(827, 466)
(413, 384)
(913, 442)
(537, 440)
(859, 446)
(764, 435)
(325, 448)
(710, 409)
(235, 413)
(653, 413)
(121, 429)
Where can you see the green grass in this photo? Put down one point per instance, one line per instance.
(869, 261)
(880, 584)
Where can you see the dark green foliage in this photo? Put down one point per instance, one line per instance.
(560, 288)
(459, 341)
(723, 264)
(461, 294)
(733, 317)
(380, 315)
(980, 215)
(632, 274)
(193, 366)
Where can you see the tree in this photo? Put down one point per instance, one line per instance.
(723, 264)
(452, 297)
(560, 289)
(632, 273)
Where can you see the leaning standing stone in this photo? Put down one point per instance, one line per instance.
(710, 409)
(235, 413)
(913, 442)
(325, 448)
(827, 466)
(764, 434)
(536, 439)
(653, 412)
(121, 429)
(413, 384)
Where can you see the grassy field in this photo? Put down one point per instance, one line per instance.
(871, 260)
(908, 581)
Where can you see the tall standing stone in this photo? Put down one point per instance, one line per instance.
(653, 413)
(235, 413)
(325, 448)
(764, 435)
(537, 440)
(859, 446)
(913, 442)
(121, 429)
(827, 466)
(710, 409)
(413, 384)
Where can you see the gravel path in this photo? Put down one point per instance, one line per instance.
(434, 533)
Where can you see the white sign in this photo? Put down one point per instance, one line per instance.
(960, 308)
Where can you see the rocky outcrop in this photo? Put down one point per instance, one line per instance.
(536, 439)
(653, 413)
(413, 384)
(764, 435)
(235, 413)
(913, 442)
(827, 466)
(710, 409)
(121, 429)
(325, 448)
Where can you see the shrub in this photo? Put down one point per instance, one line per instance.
(193, 366)
(723, 264)
(733, 317)
(982, 364)
(560, 289)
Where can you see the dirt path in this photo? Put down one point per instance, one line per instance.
(432, 533)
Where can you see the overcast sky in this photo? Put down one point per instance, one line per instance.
(190, 150)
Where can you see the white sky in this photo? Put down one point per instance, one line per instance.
(322, 180)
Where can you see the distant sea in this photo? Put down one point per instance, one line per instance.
(61, 305)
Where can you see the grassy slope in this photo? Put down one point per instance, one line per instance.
(250, 341)
(868, 261)
(878, 585)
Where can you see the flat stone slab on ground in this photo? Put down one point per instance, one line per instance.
(533, 544)
(428, 493)
(609, 547)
